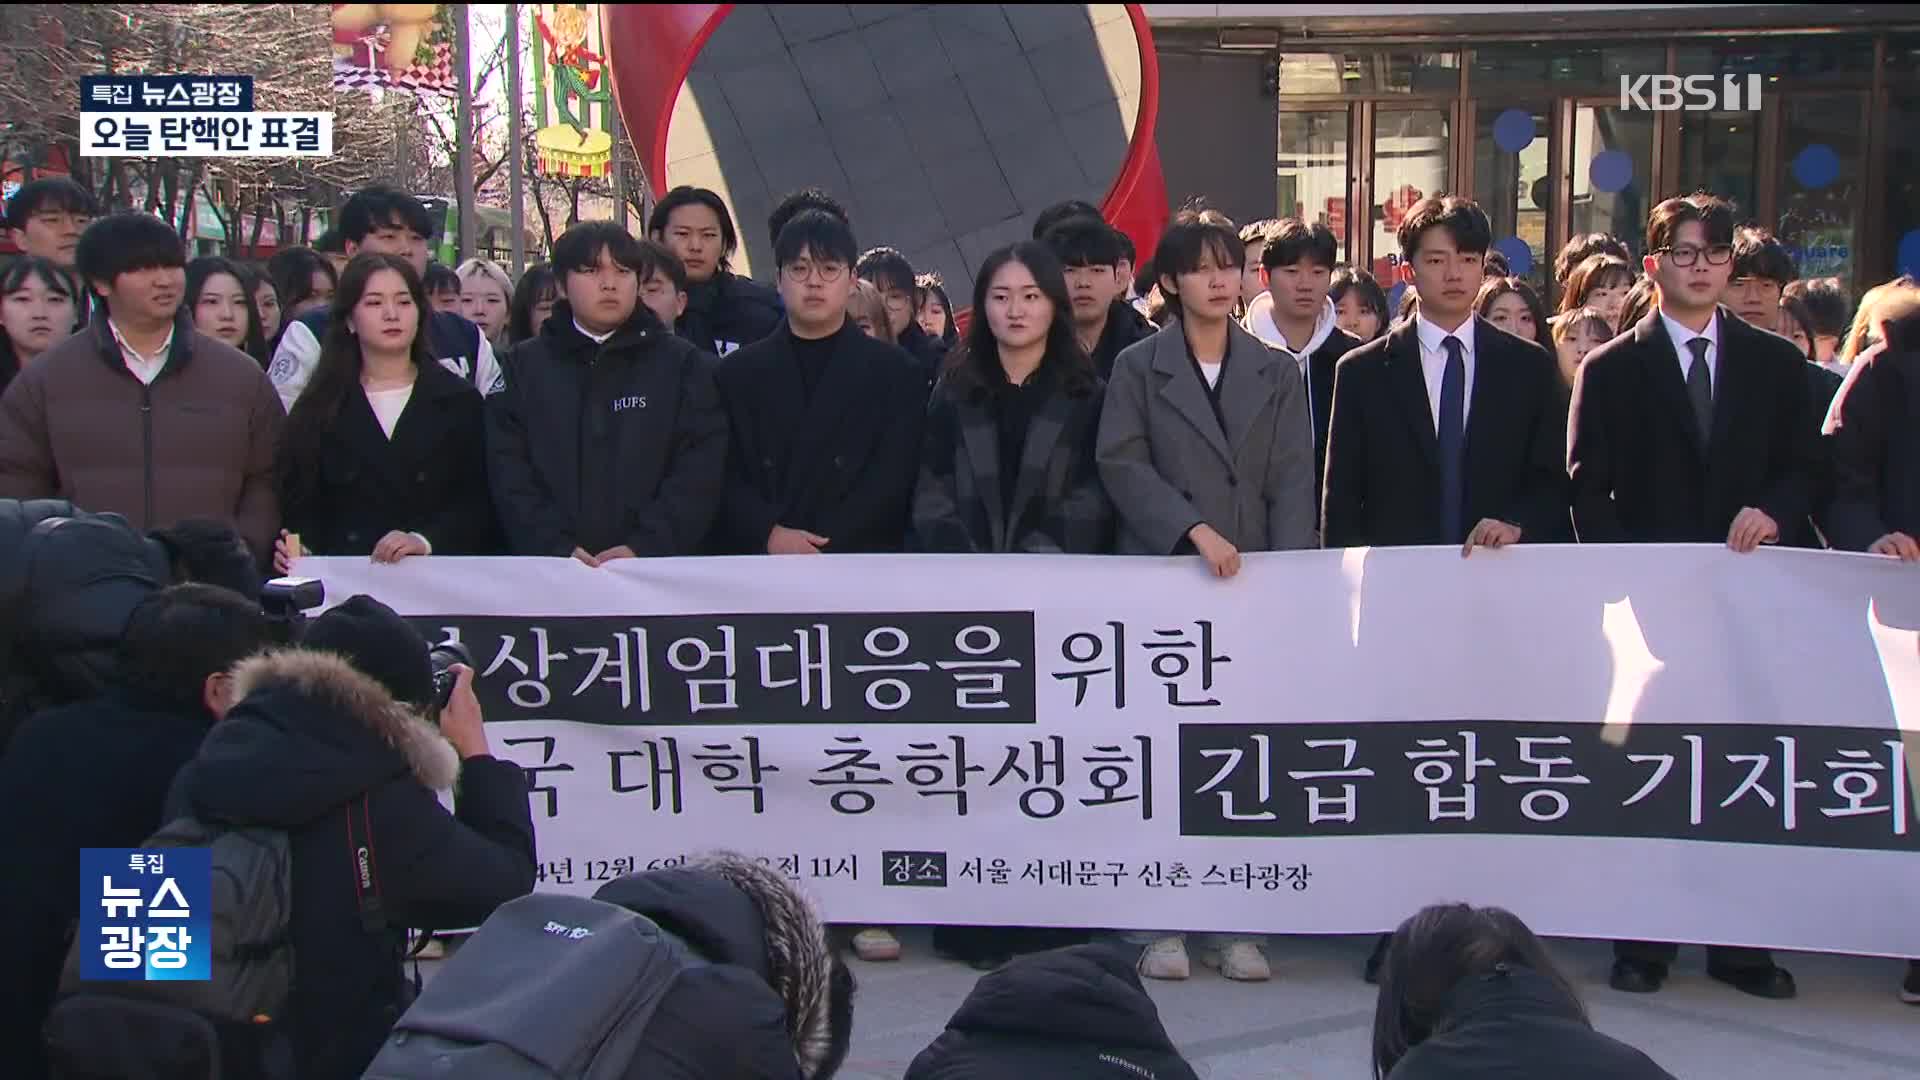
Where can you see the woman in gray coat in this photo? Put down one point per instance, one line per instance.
(1206, 446)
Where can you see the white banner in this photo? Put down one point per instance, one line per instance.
(1669, 743)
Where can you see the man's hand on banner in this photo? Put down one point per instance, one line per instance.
(1751, 528)
(585, 556)
(1897, 544)
(1490, 533)
(785, 541)
(612, 553)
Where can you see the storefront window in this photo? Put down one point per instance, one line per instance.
(1409, 164)
(1798, 61)
(1312, 171)
(1719, 152)
(1336, 74)
(1821, 145)
(1511, 183)
(1903, 183)
(1612, 172)
(1561, 70)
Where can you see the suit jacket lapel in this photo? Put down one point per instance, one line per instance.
(1487, 407)
(1184, 390)
(1731, 382)
(1662, 370)
(1410, 386)
(1044, 434)
(1245, 386)
(840, 383)
(981, 439)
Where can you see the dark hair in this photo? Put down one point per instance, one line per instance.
(816, 233)
(1641, 299)
(378, 206)
(336, 375)
(1795, 308)
(1711, 211)
(1581, 247)
(579, 248)
(928, 286)
(292, 271)
(123, 243)
(975, 368)
(1431, 953)
(1757, 254)
(886, 268)
(211, 552)
(1195, 233)
(1595, 272)
(807, 198)
(1495, 264)
(440, 278)
(330, 242)
(178, 637)
(1462, 218)
(1126, 246)
(537, 284)
(665, 262)
(1044, 222)
(15, 276)
(205, 269)
(1082, 241)
(1493, 288)
(1291, 240)
(1828, 305)
(1409, 303)
(683, 196)
(48, 192)
(1348, 279)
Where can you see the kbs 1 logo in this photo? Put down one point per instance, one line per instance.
(1690, 93)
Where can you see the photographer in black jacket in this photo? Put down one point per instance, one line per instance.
(608, 440)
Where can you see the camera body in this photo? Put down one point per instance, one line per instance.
(442, 657)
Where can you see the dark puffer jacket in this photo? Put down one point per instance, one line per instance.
(727, 312)
(1071, 1014)
(310, 736)
(1518, 1025)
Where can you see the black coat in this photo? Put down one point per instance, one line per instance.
(727, 313)
(1875, 444)
(1822, 387)
(929, 353)
(1071, 1014)
(1519, 1026)
(1321, 367)
(309, 736)
(841, 464)
(1635, 458)
(1059, 504)
(598, 446)
(91, 775)
(429, 478)
(1382, 484)
(1125, 326)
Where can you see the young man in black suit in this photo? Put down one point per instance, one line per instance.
(1444, 431)
(1691, 427)
(826, 420)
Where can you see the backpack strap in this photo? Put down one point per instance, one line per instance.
(366, 870)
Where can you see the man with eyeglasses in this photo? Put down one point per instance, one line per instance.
(825, 420)
(1692, 428)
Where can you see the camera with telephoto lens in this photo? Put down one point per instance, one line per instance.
(443, 656)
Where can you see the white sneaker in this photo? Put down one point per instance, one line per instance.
(1166, 959)
(1245, 961)
(876, 946)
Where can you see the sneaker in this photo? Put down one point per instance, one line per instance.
(876, 946)
(1166, 959)
(1910, 990)
(1245, 961)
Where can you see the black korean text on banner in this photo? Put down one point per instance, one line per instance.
(1832, 787)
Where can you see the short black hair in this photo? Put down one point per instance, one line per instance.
(1462, 218)
(1829, 306)
(1757, 254)
(1290, 240)
(1714, 213)
(125, 242)
(211, 552)
(886, 268)
(48, 193)
(1063, 211)
(1192, 234)
(440, 278)
(377, 206)
(816, 233)
(684, 196)
(330, 242)
(1085, 241)
(578, 250)
(178, 637)
(1126, 246)
(1585, 246)
(807, 198)
(666, 262)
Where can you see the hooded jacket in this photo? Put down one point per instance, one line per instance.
(727, 312)
(1072, 1014)
(761, 1008)
(1324, 350)
(310, 736)
(1518, 1025)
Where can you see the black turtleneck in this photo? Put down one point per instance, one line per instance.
(811, 356)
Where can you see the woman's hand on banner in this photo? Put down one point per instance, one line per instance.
(1222, 557)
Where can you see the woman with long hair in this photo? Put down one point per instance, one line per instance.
(1511, 304)
(1600, 282)
(266, 301)
(37, 304)
(222, 307)
(305, 280)
(934, 311)
(383, 454)
(533, 300)
(1471, 992)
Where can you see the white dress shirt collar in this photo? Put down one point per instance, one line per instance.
(1433, 364)
(144, 367)
(598, 339)
(1681, 335)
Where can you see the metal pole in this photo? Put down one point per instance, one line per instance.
(463, 157)
(516, 160)
(619, 133)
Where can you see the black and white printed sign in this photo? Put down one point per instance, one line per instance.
(1669, 743)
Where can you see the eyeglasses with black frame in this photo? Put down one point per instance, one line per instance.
(1686, 254)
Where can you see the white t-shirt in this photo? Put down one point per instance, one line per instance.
(1211, 372)
(388, 405)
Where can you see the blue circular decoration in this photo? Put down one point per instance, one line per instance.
(1611, 170)
(1513, 130)
(1393, 299)
(1816, 166)
(1908, 259)
(1519, 255)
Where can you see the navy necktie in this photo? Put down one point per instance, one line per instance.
(1700, 388)
(1453, 486)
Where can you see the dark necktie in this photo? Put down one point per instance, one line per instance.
(1453, 400)
(1700, 388)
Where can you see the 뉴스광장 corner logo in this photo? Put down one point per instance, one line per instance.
(1690, 93)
